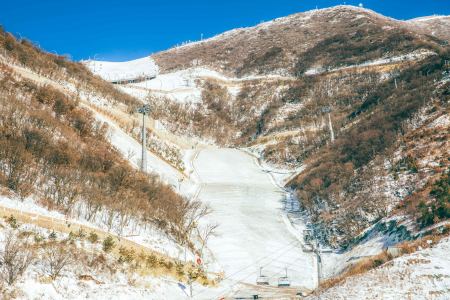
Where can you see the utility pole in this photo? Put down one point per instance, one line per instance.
(94, 61)
(327, 109)
(144, 110)
(331, 127)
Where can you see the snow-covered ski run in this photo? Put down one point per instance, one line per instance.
(253, 230)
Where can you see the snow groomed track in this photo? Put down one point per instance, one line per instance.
(252, 231)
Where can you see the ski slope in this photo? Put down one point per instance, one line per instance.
(127, 70)
(253, 231)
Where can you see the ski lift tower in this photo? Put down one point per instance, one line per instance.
(144, 110)
(316, 250)
(313, 242)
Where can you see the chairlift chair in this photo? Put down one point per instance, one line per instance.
(262, 279)
(307, 246)
(284, 281)
(307, 237)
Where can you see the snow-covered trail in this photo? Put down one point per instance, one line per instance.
(252, 231)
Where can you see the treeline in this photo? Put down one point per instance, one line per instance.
(362, 45)
(52, 148)
(329, 183)
(25, 53)
(439, 208)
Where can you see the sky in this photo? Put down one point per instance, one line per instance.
(128, 29)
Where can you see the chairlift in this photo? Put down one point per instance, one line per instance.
(284, 280)
(326, 250)
(262, 279)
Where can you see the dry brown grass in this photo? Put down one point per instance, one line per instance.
(383, 258)
(264, 49)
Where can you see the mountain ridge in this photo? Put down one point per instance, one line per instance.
(286, 33)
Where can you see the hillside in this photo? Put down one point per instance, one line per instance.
(435, 25)
(340, 91)
(277, 46)
(74, 207)
(330, 125)
(255, 91)
(420, 275)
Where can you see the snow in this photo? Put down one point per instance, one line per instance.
(253, 229)
(428, 18)
(131, 149)
(116, 285)
(183, 86)
(424, 274)
(72, 288)
(442, 121)
(148, 236)
(179, 86)
(335, 263)
(416, 55)
(128, 70)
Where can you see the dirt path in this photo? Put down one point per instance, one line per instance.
(64, 226)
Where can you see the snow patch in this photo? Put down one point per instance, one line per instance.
(128, 70)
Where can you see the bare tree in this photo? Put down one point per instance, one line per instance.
(17, 166)
(56, 258)
(205, 233)
(64, 187)
(186, 219)
(15, 258)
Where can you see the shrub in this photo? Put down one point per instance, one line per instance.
(12, 221)
(56, 258)
(38, 238)
(126, 255)
(151, 261)
(81, 234)
(108, 244)
(339, 170)
(179, 269)
(93, 237)
(15, 258)
(52, 236)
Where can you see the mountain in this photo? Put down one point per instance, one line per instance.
(344, 92)
(278, 46)
(435, 25)
(330, 125)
